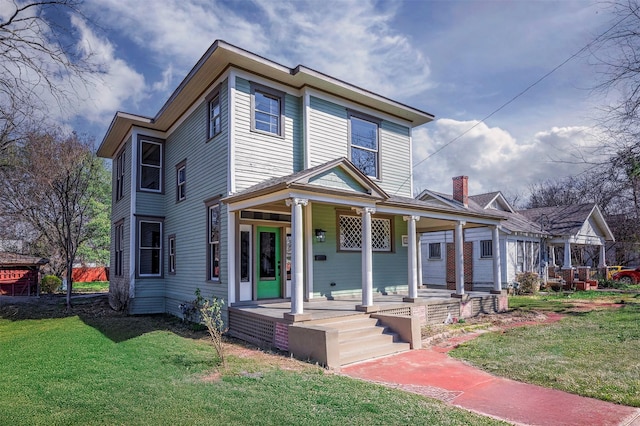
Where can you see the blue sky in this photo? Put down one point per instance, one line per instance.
(459, 60)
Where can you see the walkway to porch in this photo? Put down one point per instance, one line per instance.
(265, 323)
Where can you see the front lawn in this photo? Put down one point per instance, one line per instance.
(103, 368)
(594, 354)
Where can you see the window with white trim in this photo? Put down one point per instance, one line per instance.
(172, 254)
(150, 165)
(215, 116)
(149, 248)
(435, 251)
(181, 181)
(118, 248)
(267, 110)
(363, 140)
(119, 172)
(486, 248)
(213, 242)
(350, 238)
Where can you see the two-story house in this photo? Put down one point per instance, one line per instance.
(256, 181)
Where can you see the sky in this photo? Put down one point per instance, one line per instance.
(459, 60)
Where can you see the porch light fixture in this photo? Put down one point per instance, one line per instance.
(321, 235)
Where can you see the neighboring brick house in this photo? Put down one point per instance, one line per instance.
(528, 239)
(257, 181)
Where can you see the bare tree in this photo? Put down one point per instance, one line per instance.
(49, 186)
(37, 68)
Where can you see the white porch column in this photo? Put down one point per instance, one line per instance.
(566, 264)
(459, 248)
(231, 257)
(367, 257)
(603, 256)
(412, 256)
(297, 255)
(552, 255)
(497, 261)
(419, 260)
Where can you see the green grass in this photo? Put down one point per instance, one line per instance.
(594, 354)
(560, 302)
(94, 287)
(96, 369)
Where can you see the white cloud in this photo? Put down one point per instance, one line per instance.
(493, 159)
(102, 94)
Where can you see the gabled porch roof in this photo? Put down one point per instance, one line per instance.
(340, 182)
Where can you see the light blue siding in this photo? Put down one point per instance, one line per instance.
(262, 156)
(390, 270)
(395, 159)
(338, 179)
(328, 131)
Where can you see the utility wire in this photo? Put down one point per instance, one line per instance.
(535, 83)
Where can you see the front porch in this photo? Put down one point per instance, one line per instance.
(323, 334)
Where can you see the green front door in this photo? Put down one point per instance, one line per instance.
(268, 263)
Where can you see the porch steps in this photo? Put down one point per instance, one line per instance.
(361, 338)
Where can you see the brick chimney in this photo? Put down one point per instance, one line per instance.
(461, 189)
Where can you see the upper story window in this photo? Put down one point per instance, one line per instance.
(149, 248)
(434, 251)
(267, 106)
(215, 117)
(181, 181)
(486, 248)
(363, 141)
(150, 165)
(119, 172)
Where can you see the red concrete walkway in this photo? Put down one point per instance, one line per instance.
(431, 372)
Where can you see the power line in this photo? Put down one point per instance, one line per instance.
(535, 83)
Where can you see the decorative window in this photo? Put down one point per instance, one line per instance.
(119, 171)
(351, 233)
(215, 117)
(267, 106)
(486, 248)
(172, 254)
(149, 248)
(520, 256)
(150, 165)
(363, 140)
(181, 181)
(245, 256)
(213, 241)
(119, 248)
(435, 251)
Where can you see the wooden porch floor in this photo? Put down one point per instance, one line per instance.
(323, 309)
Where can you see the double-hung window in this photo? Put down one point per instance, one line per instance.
(172, 254)
(181, 181)
(119, 172)
(435, 251)
(364, 143)
(149, 248)
(150, 165)
(486, 248)
(118, 248)
(267, 107)
(215, 120)
(213, 241)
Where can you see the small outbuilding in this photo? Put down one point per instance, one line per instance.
(20, 274)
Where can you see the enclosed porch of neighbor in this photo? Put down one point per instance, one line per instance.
(335, 332)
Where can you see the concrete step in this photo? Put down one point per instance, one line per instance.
(371, 340)
(367, 353)
(356, 333)
(351, 322)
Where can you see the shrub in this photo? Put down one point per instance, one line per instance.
(208, 312)
(528, 283)
(50, 283)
